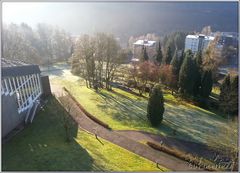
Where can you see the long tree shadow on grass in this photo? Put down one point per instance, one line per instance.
(42, 145)
(195, 122)
(129, 113)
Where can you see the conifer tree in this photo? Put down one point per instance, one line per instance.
(159, 54)
(168, 57)
(155, 107)
(228, 99)
(186, 74)
(234, 95)
(198, 73)
(176, 63)
(145, 55)
(224, 98)
(206, 83)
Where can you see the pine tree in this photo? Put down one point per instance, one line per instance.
(206, 83)
(145, 55)
(187, 74)
(234, 95)
(155, 108)
(159, 54)
(224, 98)
(168, 57)
(175, 64)
(198, 73)
(198, 58)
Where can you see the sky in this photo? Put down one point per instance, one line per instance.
(123, 18)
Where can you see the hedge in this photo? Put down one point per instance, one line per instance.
(86, 112)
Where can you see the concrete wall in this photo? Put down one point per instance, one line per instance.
(10, 116)
(46, 89)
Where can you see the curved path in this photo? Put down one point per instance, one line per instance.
(201, 150)
(115, 137)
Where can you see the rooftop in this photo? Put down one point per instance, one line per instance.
(17, 68)
(145, 43)
(12, 63)
(197, 36)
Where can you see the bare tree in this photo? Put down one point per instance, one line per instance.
(212, 56)
(206, 30)
(16, 45)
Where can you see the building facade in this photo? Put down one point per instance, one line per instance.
(197, 42)
(138, 46)
(21, 89)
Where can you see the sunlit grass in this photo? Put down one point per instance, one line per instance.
(216, 90)
(125, 111)
(42, 147)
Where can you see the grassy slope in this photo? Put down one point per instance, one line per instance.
(123, 111)
(42, 146)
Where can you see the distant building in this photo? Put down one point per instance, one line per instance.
(197, 42)
(228, 38)
(139, 44)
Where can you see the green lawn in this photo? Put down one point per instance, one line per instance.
(42, 147)
(125, 111)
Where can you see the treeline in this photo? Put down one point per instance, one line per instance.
(43, 45)
(96, 59)
(185, 73)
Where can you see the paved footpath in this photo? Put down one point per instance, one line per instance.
(143, 150)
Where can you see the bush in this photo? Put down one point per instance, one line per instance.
(155, 108)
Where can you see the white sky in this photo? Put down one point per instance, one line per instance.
(80, 17)
(60, 14)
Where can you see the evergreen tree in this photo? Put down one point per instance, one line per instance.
(145, 55)
(159, 54)
(198, 73)
(175, 64)
(187, 74)
(228, 99)
(198, 58)
(155, 108)
(234, 95)
(168, 57)
(206, 83)
(224, 98)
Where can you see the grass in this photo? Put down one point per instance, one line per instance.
(42, 147)
(200, 162)
(216, 90)
(125, 111)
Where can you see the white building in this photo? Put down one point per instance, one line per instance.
(139, 44)
(197, 42)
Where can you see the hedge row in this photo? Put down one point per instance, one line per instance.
(86, 112)
(186, 157)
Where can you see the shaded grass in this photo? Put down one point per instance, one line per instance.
(42, 147)
(202, 163)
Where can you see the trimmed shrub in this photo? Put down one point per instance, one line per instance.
(155, 107)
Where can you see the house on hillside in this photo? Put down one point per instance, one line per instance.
(139, 44)
(21, 88)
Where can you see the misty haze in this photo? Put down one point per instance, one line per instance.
(120, 86)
